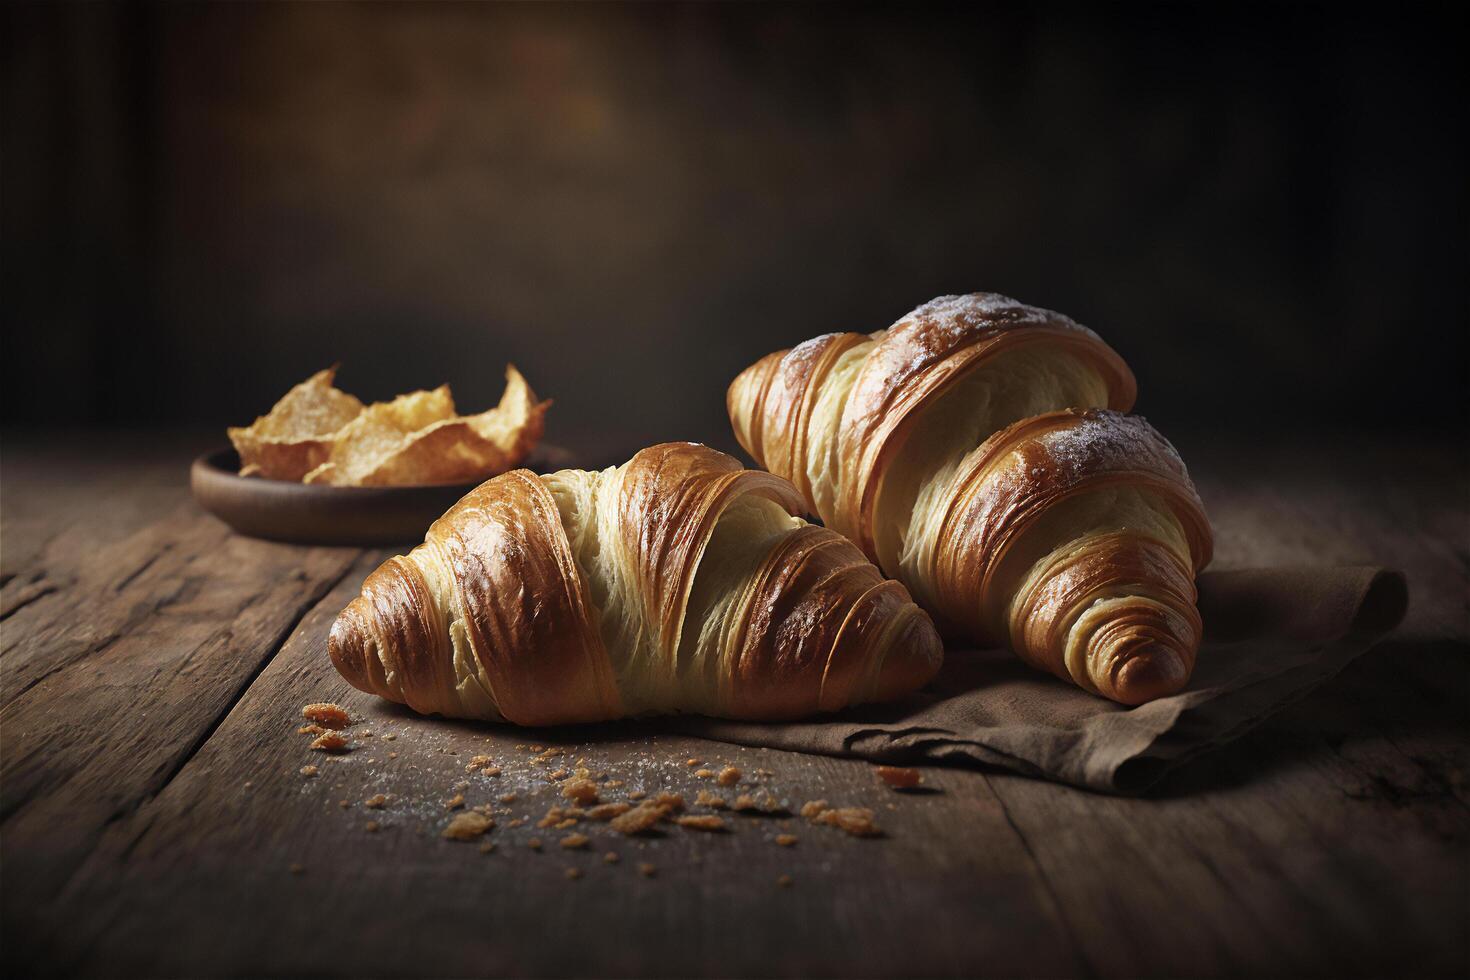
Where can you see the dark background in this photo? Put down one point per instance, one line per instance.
(1262, 208)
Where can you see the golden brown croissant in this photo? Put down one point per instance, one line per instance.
(938, 446)
(677, 582)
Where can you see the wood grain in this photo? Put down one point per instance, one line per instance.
(152, 804)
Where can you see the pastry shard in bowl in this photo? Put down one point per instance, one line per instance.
(417, 438)
(296, 436)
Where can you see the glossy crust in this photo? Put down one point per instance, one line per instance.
(844, 416)
(494, 616)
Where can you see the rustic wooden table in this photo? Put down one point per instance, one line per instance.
(154, 819)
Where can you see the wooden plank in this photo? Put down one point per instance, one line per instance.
(200, 875)
(109, 687)
(1266, 858)
(64, 496)
(1334, 839)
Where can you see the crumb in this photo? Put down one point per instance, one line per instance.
(611, 857)
(375, 802)
(326, 714)
(784, 881)
(575, 841)
(364, 734)
(490, 771)
(568, 822)
(729, 776)
(478, 762)
(612, 784)
(467, 826)
(744, 802)
(704, 774)
(507, 798)
(484, 808)
(559, 816)
(309, 771)
(691, 763)
(521, 745)
(582, 789)
(534, 843)
(389, 738)
(573, 873)
(487, 846)
(637, 794)
(329, 742)
(647, 870)
(785, 840)
(455, 802)
(463, 784)
(814, 808)
(343, 804)
(606, 811)
(310, 730)
(855, 820)
(899, 777)
(538, 748)
(248, 784)
(296, 869)
(371, 826)
(642, 817)
(670, 801)
(706, 798)
(708, 822)
(518, 821)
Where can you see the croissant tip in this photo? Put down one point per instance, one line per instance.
(1154, 672)
(345, 648)
(913, 661)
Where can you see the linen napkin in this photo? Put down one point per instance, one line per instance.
(1271, 637)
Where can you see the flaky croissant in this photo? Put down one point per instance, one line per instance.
(677, 582)
(976, 452)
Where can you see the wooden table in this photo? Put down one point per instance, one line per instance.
(154, 819)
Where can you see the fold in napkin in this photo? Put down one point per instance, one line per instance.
(1271, 637)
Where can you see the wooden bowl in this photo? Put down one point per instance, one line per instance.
(280, 510)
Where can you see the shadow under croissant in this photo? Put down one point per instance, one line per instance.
(1273, 636)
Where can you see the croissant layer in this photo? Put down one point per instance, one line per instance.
(976, 451)
(676, 582)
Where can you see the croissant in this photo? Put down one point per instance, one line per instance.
(976, 452)
(677, 582)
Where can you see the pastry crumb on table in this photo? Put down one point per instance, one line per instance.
(330, 742)
(708, 822)
(327, 715)
(899, 777)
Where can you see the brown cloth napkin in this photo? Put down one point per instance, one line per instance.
(1271, 637)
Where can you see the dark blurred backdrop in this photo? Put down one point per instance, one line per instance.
(1262, 208)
